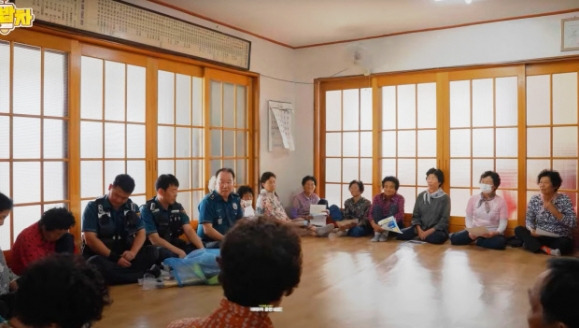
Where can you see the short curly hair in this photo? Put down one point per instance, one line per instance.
(554, 176)
(58, 218)
(261, 261)
(60, 289)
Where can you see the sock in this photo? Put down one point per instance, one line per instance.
(551, 251)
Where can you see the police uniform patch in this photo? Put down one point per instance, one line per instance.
(234, 206)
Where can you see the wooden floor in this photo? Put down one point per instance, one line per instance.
(351, 282)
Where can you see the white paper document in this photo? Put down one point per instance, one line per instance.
(319, 214)
(545, 233)
(477, 231)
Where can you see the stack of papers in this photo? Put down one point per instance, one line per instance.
(319, 214)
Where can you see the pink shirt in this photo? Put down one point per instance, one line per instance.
(477, 215)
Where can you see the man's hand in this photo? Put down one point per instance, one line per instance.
(128, 255)
(122, 262)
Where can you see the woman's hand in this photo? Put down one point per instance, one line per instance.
(376, 227)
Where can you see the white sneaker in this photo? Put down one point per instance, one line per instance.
(376, 237)
(383, 236)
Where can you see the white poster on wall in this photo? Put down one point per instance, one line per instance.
(280, 125)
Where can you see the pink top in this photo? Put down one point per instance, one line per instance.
(492, 214)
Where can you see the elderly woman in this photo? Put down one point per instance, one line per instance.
(269, 205)
(431, 212)
(355, 213)
(386, 204)
(487, 210)
(550, 218)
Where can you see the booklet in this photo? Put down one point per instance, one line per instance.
(389, 224)
(477, 231)
(319, 214)
(545, 233)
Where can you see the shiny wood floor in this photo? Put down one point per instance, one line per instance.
(351, 282)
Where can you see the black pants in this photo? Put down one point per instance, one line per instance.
(533, 244)
(437, 237)
(117, 275)
(494, 242)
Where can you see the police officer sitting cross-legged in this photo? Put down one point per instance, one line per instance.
(219, 210)
(166, 221)
(114, 235)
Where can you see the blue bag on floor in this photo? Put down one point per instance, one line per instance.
(197, 268)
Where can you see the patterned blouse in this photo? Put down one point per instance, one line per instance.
(538, 217)
(268, 204)
(229, 315)
(6, 275)
(357, 210)
(384, 208)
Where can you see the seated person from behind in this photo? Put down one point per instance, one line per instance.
(386, 204)
(261, 262)
(246, 195)
(488, 210)
(47, 236)
(165, 221)
(555, 295)
(431, 212)
(59, 291)
(355, 213)
(550, 220)
(114, 235)
(219, 210)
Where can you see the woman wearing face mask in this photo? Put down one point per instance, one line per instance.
(431, 212)
(488, 210)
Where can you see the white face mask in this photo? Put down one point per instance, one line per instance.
(486, 188)
(246, 203)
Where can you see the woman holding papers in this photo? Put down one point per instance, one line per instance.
(550, 218)
(431, 212)
(386, 204)
(269, 205)
(486, 216)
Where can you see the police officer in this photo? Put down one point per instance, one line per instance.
(114, 235)
(165, 221)
(219, 210)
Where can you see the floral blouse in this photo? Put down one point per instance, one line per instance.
(268, 204)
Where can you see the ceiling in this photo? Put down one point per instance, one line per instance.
(302, 23)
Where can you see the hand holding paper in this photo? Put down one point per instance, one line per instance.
(389, 224)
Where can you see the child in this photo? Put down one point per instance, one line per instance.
(246, 194)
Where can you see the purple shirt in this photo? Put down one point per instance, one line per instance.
(301, 205)
(383, 208)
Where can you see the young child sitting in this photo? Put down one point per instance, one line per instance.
(246, 194)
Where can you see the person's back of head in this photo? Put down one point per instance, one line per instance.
(261, 261)
(560, 293)
(60, 291)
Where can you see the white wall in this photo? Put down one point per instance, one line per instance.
(499, 42)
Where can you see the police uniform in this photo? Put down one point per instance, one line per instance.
(220, 213)
(168, 223)
(117, 230)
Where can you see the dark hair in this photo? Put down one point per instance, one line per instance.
(438, 173)
(242, 190)
(494, 175)
(560, 292)
(556, 180)
(125, 182)
(164, 181)
(261, 261)
(265, 176)
(60, 289)
(392, 179)
(359, 183)
(225, 169)
(5, 202)
(308, 178)
(58, 218)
